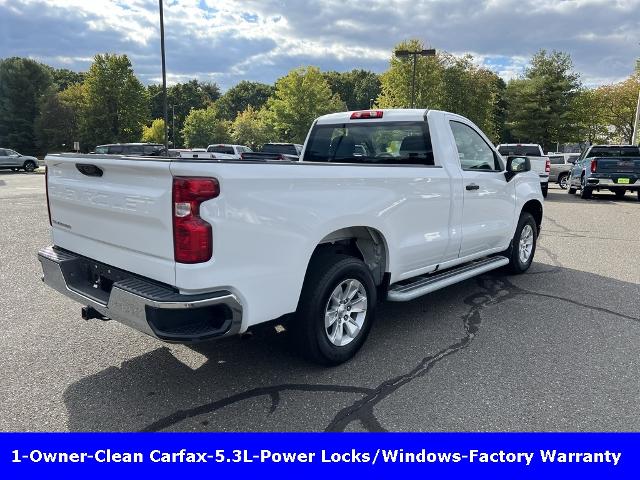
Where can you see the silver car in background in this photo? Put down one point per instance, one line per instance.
(10, 159)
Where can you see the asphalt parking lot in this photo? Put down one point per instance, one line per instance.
(555, 349)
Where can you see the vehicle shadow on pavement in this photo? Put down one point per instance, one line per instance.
(605, 198)
(257, 383)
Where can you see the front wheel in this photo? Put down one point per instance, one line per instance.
(523, 245)
(336, 309)
(29, 166)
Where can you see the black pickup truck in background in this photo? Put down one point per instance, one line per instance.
(607, 167)
(275, 151)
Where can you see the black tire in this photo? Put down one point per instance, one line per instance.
(563, 181)
(638, 195)
(620, 194)
(308, 332)
(29, 166)
(585, 192)
(15, 169)
(516, 265)
(545, 190)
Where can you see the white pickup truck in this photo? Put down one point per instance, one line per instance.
(539, 161)
(383, 205)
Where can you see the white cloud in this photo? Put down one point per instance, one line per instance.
(228, 40)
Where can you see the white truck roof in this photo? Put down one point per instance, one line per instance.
(388, 114)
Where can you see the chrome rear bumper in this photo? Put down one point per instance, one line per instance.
(147, 306)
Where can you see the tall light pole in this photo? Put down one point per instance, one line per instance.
(173, 125)
(634, 138)
(164, 83)
(419, 53)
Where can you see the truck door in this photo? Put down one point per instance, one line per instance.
(489, 204)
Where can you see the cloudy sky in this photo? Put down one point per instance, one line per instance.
(230, 40)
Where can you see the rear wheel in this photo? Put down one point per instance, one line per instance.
(620, 194)
(335, 311)
(523, 245)
(585, 192)
(29, 166)
(563, 182)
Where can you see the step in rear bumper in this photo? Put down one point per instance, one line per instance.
(152, 308)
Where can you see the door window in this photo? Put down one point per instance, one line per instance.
(474, 153)
(3, 153)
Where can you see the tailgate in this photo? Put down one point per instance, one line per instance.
(113, 209)
(618, 165)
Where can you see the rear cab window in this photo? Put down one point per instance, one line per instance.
(519, 150)
(629, 151)
(274, 148)
(221, 149)
(556, 160)
(382, 143)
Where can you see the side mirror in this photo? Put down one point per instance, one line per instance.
(517, 165)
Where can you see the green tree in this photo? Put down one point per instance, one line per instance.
(396, 81)
(23, 84)
(619, 103)
(541, 103)
(116, 102)
(59, 123)
(357, 88)
(241, 96)
(445, 82)
(181, 98)
(203, 127)
(250, 128)
(300, 96)
(64, 78)
(589, 117)
(155, 132)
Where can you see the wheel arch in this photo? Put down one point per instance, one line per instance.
(534, 207)
(363, 242)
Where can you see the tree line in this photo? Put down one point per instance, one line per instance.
(43, 109)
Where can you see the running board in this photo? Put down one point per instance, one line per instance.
(430, 283)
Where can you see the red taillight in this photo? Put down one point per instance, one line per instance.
(594, 166)
(367, 114)
(192, 236)
(547, 166)
(46, 189)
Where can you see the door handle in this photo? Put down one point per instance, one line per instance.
(89, 170)
(472, 186)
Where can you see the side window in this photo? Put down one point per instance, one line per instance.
(102, 150)
(116, 150)
(473, 151)
(3, 153)
(134, 150)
